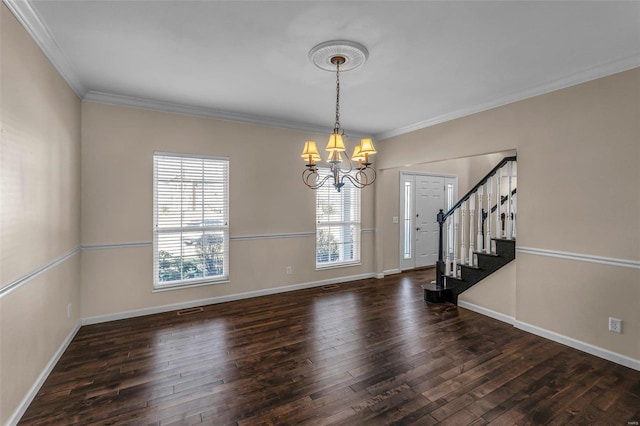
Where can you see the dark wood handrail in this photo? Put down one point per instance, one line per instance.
(478, 185)
(495, 207)
(503, 200)
(442, 216)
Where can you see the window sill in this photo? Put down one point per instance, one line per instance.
(183, 286)
(337, 265)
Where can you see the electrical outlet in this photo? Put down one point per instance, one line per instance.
(289, 270)
(69, 310)
(615, 325)
(395, 219)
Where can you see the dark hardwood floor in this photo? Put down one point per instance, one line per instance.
(367, 352)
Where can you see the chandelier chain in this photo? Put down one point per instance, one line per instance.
(337, 123)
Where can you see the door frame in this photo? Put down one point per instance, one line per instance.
(402, 262)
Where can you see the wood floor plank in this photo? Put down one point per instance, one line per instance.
(369, 352)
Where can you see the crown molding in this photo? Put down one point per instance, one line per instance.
(175, 108)
(27, 16)
(579, 77)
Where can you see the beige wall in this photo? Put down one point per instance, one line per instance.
(578, 156)
(497, 292)
(40, 212)
(578, 178)
(266, 197)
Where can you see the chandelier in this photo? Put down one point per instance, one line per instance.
(339, 56)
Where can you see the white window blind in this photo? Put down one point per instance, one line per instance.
(337, 224)
(190, 220)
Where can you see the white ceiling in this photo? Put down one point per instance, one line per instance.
(247, 60)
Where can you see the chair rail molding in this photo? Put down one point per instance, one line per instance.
(42, 269)
(580, 257)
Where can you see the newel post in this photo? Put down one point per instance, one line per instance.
(440, 262)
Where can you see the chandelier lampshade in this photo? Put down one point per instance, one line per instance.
(357, 154)
(335, 143)
(310, 152)
(366, 146)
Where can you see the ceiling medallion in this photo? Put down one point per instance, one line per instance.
(355, 55)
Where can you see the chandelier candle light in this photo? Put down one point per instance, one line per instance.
(339, 56)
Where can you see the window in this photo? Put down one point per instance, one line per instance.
(450, 203)
(337, 225)
(406, 220)
(190, 220)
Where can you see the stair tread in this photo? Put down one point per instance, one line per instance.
(504, 239)
(486, 254)
(469, 266)
(448, 276)
(432, 287)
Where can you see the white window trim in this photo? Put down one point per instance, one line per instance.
(195, 282)
(358, 223)
(337, 265)
(189, 284)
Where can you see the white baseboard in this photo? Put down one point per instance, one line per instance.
(580, 345)
(487, 312)
(383, 274)
(547, 334)
(26, 401)
(220, 299)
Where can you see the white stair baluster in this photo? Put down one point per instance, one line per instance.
(472, 209)
(463, 247)
(507, 221)
(487, 234)
(456, 223)
(479, 236)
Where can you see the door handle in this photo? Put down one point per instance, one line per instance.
(418, 228)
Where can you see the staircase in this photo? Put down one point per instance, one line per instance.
(476, 242)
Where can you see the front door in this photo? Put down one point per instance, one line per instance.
(422, 197)
(429, 201)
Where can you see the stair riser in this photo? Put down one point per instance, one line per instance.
(474, 275)
(438, 296)
(457, 286)
(506, 248)
(487, 265)
(490, 263)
